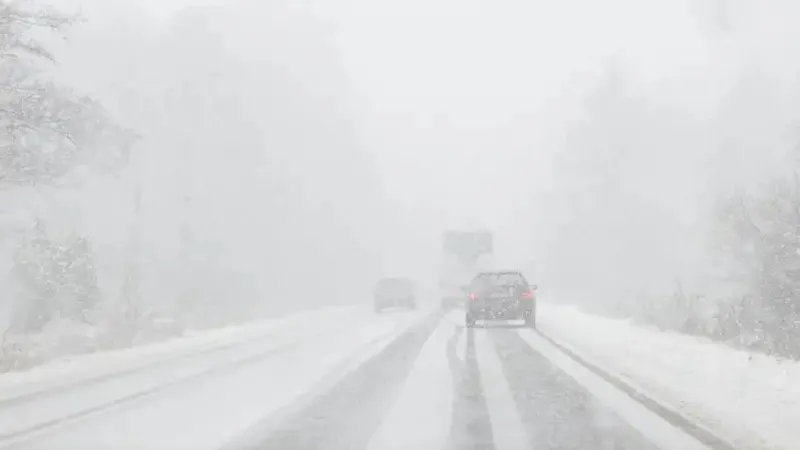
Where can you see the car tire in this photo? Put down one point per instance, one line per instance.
(469, 321)
(530, 320)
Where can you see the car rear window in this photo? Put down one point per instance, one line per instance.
(499, 279)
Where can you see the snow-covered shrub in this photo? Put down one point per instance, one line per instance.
(56, 278)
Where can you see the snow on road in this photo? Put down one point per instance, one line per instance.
(69, 370)
(442, 385)
(507, 428)
(752, 400)
(657, 430)
(465, 389)
(208, 411)
(430, 383)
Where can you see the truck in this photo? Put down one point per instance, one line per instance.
(464, 254)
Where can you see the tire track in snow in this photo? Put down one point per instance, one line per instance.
(471, 427)
(349, 414)
(556, 410)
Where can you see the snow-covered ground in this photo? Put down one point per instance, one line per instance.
(429, 384)
(239, 387)
(227, 382)
(535, 396)
(245, 372)
(750, 399)
(69, 370)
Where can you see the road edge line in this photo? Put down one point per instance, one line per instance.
(694, 429)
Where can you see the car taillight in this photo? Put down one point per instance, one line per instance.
(527, 294)
(473, 295)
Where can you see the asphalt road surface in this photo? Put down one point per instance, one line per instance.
(445, 387)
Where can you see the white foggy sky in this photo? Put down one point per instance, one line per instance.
(441, 79)
(464, 102)
(467, 100)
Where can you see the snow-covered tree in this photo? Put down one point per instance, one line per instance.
(57, 276)
(759, 238)
(48, 129)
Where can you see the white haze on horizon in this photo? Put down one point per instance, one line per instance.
(465, 107)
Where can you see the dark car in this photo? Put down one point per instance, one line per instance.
(500, 296)
(394, 292)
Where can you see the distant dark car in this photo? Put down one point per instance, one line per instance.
(500, 296)
(394, 292)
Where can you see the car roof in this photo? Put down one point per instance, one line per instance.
(395, 279)
(501, 272)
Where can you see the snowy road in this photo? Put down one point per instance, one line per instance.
(446, 387)
(394, 381)
(218, 396)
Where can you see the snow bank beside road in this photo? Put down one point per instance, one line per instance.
(205, 401)
(752, 400)
(70, 370)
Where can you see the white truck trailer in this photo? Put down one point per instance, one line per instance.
(464, 254)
